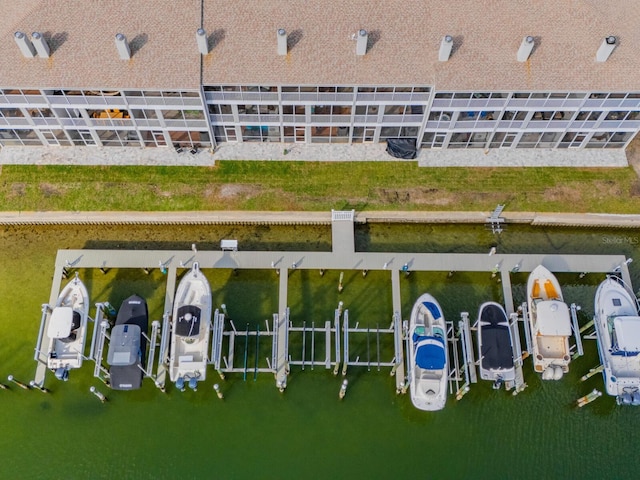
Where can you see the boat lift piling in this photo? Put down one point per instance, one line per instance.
(469, 363)
(579, 351)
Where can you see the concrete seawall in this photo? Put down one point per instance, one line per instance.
(587, 220)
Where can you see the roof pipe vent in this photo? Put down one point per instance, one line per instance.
(446, 46)
(201, 39)
(606, 48)
(361, 42)
(41, 45)
(25, 45)
(123, 47)
(282, 41)
(526, 47)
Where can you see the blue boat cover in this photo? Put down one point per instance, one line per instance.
(433, 309)
(430, 353)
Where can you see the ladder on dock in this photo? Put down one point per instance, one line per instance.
(495, 221)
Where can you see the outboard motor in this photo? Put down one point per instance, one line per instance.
(557, 373)
(180, 384)
(62, 374)
(193, 384)
(635, 398)
(625, 399)
(498, 383)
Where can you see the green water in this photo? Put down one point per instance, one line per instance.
(256, 432)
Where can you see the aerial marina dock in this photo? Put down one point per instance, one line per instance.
(333, 337)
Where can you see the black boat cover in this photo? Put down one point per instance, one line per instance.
(188, 324)
(133, 311)
(496, 341)
(402, 148)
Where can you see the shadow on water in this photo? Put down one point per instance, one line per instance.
(560, 438)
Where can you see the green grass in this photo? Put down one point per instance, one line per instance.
(315, 186)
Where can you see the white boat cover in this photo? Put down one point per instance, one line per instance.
(627, 333)
(553, 318)
(60, 322)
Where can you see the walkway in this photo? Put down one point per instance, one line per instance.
(302, 152)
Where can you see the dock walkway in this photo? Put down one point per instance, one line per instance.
(342, 257)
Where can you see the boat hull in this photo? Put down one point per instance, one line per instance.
(190, 328)
(618, 330)
(549, 323)
(428, 355)
(495, 345)
(133, 313)
(66, 345)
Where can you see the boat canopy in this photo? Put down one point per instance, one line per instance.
(627, 335)
(188, 324)
(430, 353)
(553, 318)
(124, 346)
(433, 309)
(60, 323)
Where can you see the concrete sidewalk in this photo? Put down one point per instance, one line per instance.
(312, 218)
(166, 156)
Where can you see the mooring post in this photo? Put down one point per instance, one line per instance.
(17, 382)
(343, 389)
(98, 394)
(216, 387)
(33, 384)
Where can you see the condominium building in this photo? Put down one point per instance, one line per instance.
(202, 73)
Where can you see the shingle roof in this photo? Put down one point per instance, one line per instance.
(403, 46)
(81, 34)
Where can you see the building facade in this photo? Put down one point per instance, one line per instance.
(235, 91)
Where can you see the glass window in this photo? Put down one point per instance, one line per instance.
(444, 95)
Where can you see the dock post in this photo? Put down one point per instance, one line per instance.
(216, 387)
(98, 394)
(33, 384)
(18, 382)
(340, 286)
(343, 389)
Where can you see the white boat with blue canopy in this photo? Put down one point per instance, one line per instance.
(428, 356)
(190, 330)
(67, 329)
(618, 329)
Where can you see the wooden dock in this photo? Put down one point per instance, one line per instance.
(342, 257)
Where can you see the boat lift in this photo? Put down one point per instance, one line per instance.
(458, 371)
(101, 336)
(372, 334)
(470, 364)
(576, 350)
(40, 356)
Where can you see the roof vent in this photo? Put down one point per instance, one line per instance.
(446, 45)
(282, 41)
(606, 48)
(526, 47)
(40, 44)
(361, 42)
(26, 47)
(123, 47)
(203, 44)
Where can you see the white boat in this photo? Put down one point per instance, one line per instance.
(428, 356)
(618, 330)
(67, 329)
(549, 324)
(190, 327)
(495, 345)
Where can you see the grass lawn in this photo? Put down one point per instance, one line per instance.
(237, 185)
